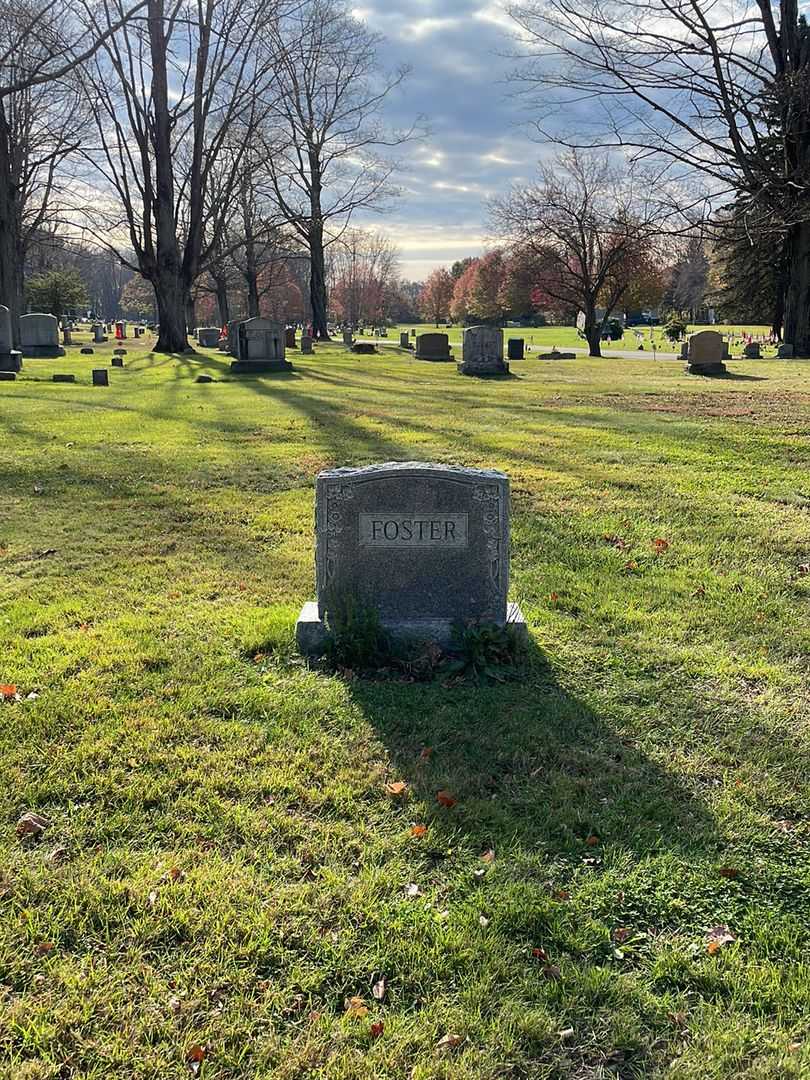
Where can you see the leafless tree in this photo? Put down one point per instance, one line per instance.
(43, 44)
(717, 90)
(592, 231)
(173, 93)
(363, 269)
(330, 153)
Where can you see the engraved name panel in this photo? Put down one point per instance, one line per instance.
(395, 530)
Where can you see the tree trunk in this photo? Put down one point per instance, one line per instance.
(797, 299)
(222, 301)
(170, 296)
(593, 332)
(191, 314)
(9, 271)
(317, 284)
(252, 281)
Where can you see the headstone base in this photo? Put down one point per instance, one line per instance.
(491, 372)
(311, 633)
(706, 369)
(8, 376)
(11, 361)
(366, 348)
(259, 367)
(43, 352)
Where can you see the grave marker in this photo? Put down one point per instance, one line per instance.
(482, 352)
(39, 335)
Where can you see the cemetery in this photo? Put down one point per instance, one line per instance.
(404, 542)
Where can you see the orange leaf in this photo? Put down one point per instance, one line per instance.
(660, 545)
(488, 856)
(562, 894)
(7, 691)
(553, 597)
(444, 798)
(540, 954)
(377, 1029)
(44, 948)
(621, 934)
(592, 840)
(196, 1053)
(419, 830)
(730, 872)
(355, 1006)
(399, 787)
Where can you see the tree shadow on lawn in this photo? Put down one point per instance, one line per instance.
(532, 765)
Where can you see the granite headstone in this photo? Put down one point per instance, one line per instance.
(705, 353)
(426, 546)
(39, 335)
(482, 352)
(259, 347)
(433, 347)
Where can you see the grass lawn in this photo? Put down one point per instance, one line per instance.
(224, 874)
(566, 337)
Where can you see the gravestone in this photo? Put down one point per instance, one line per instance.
(426, 546)
(704, 355)
(752, 351)
(10, 358)
(99, 337)
(364, 347)
(348, 338)
(785, 352)
(404, 340)
(514, 348)
(432, 347)
(120, 352)
(67, 338)
(306, 345)
(259, 345)
(204, 379)
(87, 351)
(208, 336)
(39, 335)
(7, 376)
(63, 378)
(101, 377)
(413, 332)
(289, 338)
(117, 361)
(482, 352)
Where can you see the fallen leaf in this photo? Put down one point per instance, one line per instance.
(174, 874)
(412, 890)
(44, 948)
(449, 1042)
(444, 798)
(804, 569)
(378, 986)
(58, 855)
(553, 597)
(562, 894)
(488, 856)
(621, 934)
(566, 1033)
(32, 824)
(483, 920)
(539, 953)
(418, 830)
(398, 787)
(314, 1016)
(8, 691)
(426, 753)
(717, 937)
(195, 1056)
(730, 872)
(377, 1029)
(592, 840)
(355, 1006)
(552, 972)
(660, 546)
(175, 1005)
(630, 566)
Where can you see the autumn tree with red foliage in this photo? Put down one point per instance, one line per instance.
(593, 231)
(436, 296)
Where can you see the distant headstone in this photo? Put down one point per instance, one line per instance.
(785, 352)
(404, 340)
(10, 358)
(413, 332)
(514, 348)
(752, 351)
(289, 338)
(259, 345)
(364, 347)
(67, 338)
(483, 352)
(99, 337)
(63, 378)
(117, 361)
(87, 351)
(348, 338)
(119, 352)
(39, 335)
(101, 377)
(426, 546)
(203, 379)
(306, 345)
(433, 347)
(208, 336)
(704, 354)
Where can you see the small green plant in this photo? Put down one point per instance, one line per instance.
(485, 650)
(356, 638)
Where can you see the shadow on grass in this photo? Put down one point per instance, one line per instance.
(531, 764)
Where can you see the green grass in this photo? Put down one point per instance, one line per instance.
(224, 867)
(566, 337)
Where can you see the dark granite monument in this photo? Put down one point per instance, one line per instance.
(426, 546)
(433, 347)
(482, 352)
(514, 348)
(207, 336)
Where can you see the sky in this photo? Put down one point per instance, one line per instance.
(477, 146)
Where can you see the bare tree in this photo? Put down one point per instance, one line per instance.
(708, 89)
(329, 155)
(363, 270)
(43, 44)
(171, 94)
(592, 231)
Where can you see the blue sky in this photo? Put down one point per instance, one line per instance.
(477, 147)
